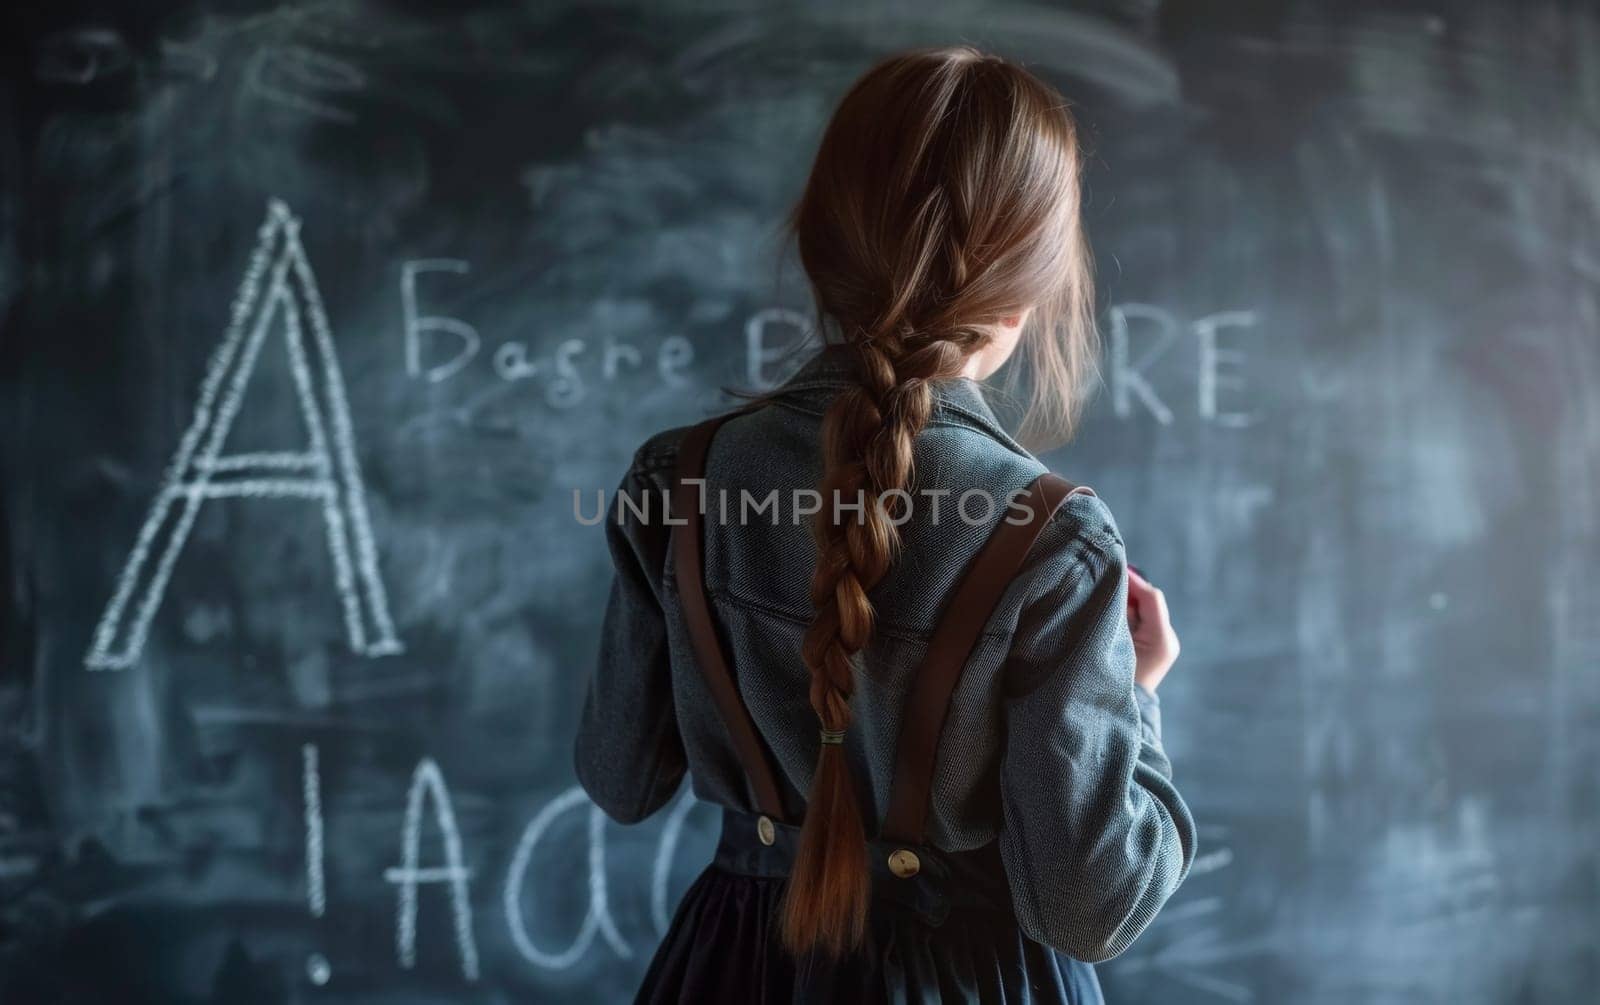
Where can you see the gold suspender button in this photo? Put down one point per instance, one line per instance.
(765, 831)
(904, 863)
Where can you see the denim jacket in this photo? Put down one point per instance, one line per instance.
(1049, 747)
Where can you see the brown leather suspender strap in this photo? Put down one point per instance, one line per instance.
(687, 540)
(948, 650)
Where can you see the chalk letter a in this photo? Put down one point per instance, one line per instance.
(278, 283)
(428, 781)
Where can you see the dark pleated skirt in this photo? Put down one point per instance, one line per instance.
(944, 935)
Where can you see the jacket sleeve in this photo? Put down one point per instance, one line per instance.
(1095, 837)
(629, 755)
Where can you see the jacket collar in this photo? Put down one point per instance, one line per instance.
(957, 400)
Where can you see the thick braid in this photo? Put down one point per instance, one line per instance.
(943, 200)
(868, 435)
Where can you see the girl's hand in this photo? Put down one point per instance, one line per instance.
(1155, 644)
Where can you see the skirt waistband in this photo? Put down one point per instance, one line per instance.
(928, 883)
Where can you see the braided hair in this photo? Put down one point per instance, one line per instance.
(944, 196)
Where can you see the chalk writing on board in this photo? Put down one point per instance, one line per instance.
(428, 798)
(427, 784)
(567, 371)
(1217, 367)
(417, 324)
(311, 794)
(278, 286)
(772, 336)
(318, 969)
(305, 80)
(596, 920)
(762, 352)
(1213, 361)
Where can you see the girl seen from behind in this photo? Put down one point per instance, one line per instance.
(918, 674)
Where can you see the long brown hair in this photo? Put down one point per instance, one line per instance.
(944, 197)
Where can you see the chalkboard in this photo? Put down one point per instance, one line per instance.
(315, 315)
